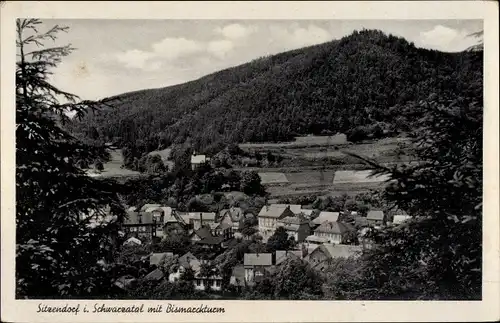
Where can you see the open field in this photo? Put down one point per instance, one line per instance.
(312, 165)
(305, 141)
(113, 167)
(273, 178)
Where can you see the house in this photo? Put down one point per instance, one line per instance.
(361, 222)
(238, 276)
(200, 234)
(375, 217)
(400, 218)
(198, 160)
(282, 255)
(157, 258)
(308, 213)
(199, 219)
(296, 227)
(214, 282)
(326, 217)
(321, 257)
(334, 232)
(255, 265)
(224, 230)
(139, 225)
(235, 216)
(269, 216)
(185, 262)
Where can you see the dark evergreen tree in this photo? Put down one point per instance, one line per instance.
(58, 252)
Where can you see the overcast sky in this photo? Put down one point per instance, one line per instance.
(117, 56)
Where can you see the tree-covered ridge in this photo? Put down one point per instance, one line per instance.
(332, 87)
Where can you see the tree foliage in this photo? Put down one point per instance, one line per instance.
(57, 253)
(437, 255)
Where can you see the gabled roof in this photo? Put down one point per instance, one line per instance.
(147, 206)
(234, 213)
(375, 215)
(282, 255)
(132, 241)
(277, 210)
(299, 219)
(313, 238)
(211, 240)
(156, 258)
(335, 227)
(257, 259)
(203, 232)
(326, 216)
(207, 216)
(188, 260)
(156, 274)
(340, 250)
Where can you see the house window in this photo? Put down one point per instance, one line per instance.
(217, 283)
(198, 282)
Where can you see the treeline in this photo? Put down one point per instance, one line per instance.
(357, 85)
(182, 188)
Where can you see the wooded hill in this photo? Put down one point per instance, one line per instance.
(359, 85)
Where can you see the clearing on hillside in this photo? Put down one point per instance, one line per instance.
(357, 176)
(273, 178)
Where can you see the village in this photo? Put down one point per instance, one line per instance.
(280, 232)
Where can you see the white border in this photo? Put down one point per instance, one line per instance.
(262, 311)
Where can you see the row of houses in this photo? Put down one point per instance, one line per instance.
(255, 267)
(154, 220)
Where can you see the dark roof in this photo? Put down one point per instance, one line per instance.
(185, 259)
(203, 232)
(156, 274)
(211, 240)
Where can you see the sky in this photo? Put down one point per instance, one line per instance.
(116, 56)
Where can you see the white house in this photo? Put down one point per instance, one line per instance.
(334, 232)
(326, 217)
(270, 215)
(255, 265)
(398, 219)
(198, 160)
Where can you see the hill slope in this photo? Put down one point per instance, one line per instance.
(327, 88)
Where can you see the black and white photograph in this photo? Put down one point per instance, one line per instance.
(249, 159)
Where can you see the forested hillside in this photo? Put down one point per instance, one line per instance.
(359, 85)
